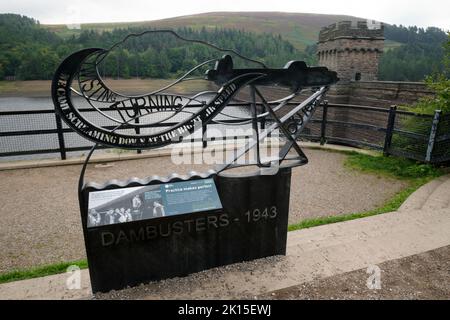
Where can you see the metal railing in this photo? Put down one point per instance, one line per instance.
(394, 132)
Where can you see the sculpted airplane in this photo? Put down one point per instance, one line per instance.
(295, 75)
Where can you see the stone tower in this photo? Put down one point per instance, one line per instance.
(352, 50)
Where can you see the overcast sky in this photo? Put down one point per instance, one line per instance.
(407, 12)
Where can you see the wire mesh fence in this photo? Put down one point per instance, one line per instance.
(400, 133)
(441, 149)
(410, 136)
(356, 126)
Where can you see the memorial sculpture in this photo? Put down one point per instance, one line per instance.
(148, 229)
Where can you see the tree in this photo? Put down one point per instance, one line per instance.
(419, 56)
(440, 84)
(2, 71)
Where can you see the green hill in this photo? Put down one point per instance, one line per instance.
(30, 50)
(301, 29)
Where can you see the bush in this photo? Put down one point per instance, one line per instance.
(440, 84)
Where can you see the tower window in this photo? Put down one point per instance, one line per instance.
(358, 76)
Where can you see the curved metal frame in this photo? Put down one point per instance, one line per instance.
(82, 67)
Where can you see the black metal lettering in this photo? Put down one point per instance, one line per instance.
(200, 224)
(151, 232)
(189, 224)
(137, 236)
(177, 227)
(212, 221)
(121, 237)
(167, 232)
(224, 220)
(107, 238)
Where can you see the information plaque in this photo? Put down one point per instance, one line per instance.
(149, 202)
(146, 230)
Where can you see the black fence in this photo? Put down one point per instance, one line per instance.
(420, 137)
(410, 135)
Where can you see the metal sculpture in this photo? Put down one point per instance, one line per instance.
(79, 75)
(218, 223)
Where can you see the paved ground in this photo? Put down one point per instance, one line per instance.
(312, 254)
(40, 216)
(422, 276)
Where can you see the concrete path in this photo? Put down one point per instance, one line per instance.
(421, 224)
(154, 153)
(45, 228)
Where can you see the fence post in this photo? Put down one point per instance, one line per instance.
(263, 120)
(389, 130)
(137, 129)
(62, 144)
(204, 137)
(433, 132)
(323, 126)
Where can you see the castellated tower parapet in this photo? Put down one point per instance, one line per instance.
(352, 49)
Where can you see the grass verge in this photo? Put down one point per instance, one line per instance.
(42, 271)
(391, 205)
(417, 174)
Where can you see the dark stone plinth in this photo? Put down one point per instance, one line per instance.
(252, 224)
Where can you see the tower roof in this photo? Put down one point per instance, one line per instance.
(348, 29)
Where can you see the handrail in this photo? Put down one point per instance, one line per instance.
(331, 137)
(330, 105)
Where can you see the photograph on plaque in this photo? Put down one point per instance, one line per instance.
(154, 201)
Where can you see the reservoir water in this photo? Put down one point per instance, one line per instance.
(22, 123)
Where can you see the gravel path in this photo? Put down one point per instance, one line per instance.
(41, 223)
(418, 277)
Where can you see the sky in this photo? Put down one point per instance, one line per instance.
(407, 12)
